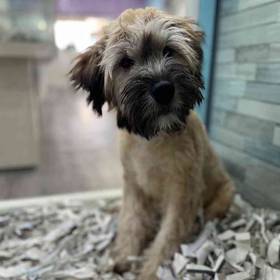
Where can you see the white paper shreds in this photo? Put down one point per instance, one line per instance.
(72, 241)
(244, 245)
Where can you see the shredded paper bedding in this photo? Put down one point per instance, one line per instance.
(71, 240)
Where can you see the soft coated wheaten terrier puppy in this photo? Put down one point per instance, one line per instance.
(147, 67)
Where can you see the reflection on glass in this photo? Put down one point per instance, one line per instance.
(28, 20)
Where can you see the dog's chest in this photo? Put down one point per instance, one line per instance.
(159, 164)
(152, 169)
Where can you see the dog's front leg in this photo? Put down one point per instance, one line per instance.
(176, 227)
(136, 226)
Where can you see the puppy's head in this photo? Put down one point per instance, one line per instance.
(147, 66)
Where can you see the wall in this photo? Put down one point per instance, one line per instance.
(107, 8)
(245, 111)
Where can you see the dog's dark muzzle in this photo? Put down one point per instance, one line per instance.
(163, 92)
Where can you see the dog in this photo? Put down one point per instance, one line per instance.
(147, 67)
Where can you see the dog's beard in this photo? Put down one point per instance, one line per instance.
(140, 114)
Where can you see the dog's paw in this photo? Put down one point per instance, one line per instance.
(147, 276)
(148, 271)
(121, 265)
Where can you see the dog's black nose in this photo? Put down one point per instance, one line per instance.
(163, 92)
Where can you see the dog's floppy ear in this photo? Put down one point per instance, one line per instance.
(88, 75)
(197, 46)
(193, 33)
(195, 40)
(199, 39)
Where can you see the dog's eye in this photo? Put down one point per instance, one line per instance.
(168, 52)
(126, 62)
